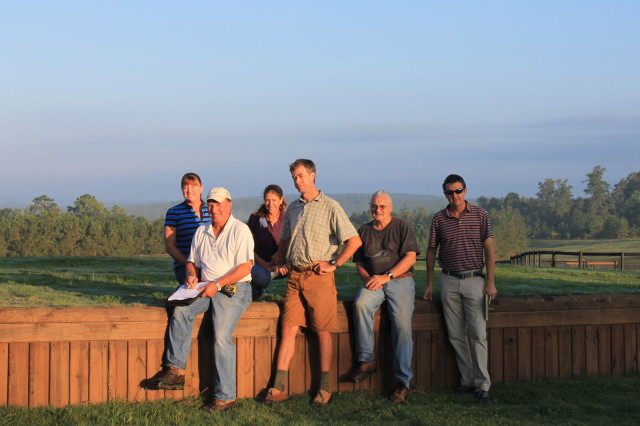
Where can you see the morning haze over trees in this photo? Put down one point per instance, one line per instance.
(88, 228)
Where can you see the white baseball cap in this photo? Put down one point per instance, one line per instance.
(218, 195)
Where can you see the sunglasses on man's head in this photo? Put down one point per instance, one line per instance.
(455, 191)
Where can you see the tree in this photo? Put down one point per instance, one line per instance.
(43, 204)
(552, 207)
(87, 206)
(598, 205)
(509, 232)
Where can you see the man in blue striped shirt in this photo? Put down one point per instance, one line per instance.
(463, 233)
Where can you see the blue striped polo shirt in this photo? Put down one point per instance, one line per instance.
(461, 240)
(185, 220)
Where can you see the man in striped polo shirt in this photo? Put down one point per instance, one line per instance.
(463, 233)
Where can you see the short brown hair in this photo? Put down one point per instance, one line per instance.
(308, 164)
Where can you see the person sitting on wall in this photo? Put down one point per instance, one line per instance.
(222, 252)
(265, 225)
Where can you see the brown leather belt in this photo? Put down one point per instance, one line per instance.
(303, 268)
(405, 275)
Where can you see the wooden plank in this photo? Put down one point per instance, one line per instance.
(591, 350)
(38, 374)
(617, 349)
(452, 374)
(564, 352)
(345, 358)
(496, 355)
(19, 374)
(578, 350)
(312, 363)
(538, 352)
(59, 374)
(524, 353)
(438, 374)
(136, 369)
(604, 349)
(4, 373)
(117, 370)
(334, 380)
(297, 377)
(244, 367)
(205, 368)
(192, 372)
(510, 354)
(423, 359)
(98, 367)
(552, 360)
(263, 362)
(630, 348)
(78, 372)
(376, 380)
(155, 349)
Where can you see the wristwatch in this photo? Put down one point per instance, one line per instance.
(334, 263)
(390, 275)
(217, 284)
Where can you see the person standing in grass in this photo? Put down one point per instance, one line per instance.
(385, 265)
(463, 233)
(222, 254)
(266, 225)
(314, 226)
(182, 221)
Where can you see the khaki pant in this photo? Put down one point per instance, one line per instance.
(463, 306)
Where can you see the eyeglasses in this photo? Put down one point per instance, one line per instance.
(378, 207)
(449, 192)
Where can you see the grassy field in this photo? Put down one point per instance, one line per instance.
(584, 400)
(147, 281)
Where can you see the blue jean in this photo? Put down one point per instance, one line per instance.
(400, 295)
(225, 313)
(260, 280)
(181, 274)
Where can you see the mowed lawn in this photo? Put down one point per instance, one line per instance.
(147, 281)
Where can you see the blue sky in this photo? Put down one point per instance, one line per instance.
(118, 99)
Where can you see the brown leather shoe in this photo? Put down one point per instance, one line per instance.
(275, 396)
(170, 379)
(362, 371)
(219, 405)
(399, 394)
(322, 398)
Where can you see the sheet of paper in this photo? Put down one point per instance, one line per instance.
(183, 293)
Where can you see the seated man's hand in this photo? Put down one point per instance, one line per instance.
(191, 281)
(210, 290)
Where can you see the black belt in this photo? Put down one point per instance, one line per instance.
(464, 275)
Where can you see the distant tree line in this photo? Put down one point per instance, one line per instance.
(87, 228)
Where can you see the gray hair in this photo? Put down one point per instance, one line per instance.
(381, 193)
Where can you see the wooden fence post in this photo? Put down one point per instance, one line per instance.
(579, 259)
(553, 259)
(622, 261)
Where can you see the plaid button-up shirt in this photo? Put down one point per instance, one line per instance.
(315, 230)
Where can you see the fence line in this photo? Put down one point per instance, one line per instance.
(581, 259)
(65, 356)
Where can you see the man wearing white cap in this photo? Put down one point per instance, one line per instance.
(222, 252)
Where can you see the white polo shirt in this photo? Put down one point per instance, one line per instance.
(217, 257)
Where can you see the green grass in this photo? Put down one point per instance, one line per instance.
(579, 400)
(147, 281)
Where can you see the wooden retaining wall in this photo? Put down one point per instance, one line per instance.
(64, 356)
